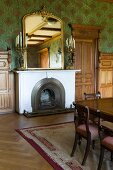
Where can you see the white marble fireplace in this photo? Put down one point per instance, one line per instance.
(27, 80)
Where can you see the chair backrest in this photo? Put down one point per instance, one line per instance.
(92, 95)
(82, 116)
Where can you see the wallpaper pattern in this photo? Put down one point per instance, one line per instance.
(88, 12)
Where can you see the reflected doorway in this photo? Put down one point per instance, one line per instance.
(43, 58)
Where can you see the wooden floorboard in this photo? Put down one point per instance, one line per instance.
(15, 152)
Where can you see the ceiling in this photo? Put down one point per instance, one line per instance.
(41, 31)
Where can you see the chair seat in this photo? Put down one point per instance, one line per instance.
(93, 130)
(108, 142)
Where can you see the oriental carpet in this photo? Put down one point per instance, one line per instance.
(55, 142)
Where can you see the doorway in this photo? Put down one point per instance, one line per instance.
(86, 59)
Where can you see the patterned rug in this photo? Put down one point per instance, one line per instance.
(54, 143)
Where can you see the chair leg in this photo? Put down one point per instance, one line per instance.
(93, 144)
(80, 139)
(101, 158)
(111, 156)
(86, 150)
(75, 144)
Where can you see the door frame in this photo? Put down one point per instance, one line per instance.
(86, 32)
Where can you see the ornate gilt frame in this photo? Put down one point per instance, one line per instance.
(42, 13)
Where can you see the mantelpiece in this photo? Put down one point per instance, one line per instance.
(26, 80)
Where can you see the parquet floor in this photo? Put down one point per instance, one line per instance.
(15, 152)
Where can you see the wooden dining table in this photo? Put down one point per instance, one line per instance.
(103, 106)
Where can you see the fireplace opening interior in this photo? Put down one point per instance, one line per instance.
(47, 99)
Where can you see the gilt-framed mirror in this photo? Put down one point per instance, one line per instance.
(43, 41)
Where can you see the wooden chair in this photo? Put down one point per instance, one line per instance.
(106, 143)
(84, 129)
(89, 96)
(92, 95)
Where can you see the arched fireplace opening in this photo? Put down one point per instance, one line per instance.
(48, 93)
(47, 99)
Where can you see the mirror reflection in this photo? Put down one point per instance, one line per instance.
(43, 41)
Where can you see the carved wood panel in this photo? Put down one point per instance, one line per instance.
(85, 61)
(3, 81)
(106, 75)
(6, 85)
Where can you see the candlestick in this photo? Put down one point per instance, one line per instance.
(17, 41)
(20, 40)
(73, 43)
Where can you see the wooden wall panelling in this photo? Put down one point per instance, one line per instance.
(6, 84)
(106, 75)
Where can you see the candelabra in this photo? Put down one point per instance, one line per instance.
(70, 46)
(22, 58)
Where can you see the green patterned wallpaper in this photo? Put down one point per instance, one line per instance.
(88, 12)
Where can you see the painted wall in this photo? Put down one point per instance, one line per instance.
(88, 12)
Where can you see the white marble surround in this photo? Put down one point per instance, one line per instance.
(26, 80)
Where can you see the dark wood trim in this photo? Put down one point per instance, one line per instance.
(51, 29)
(42, 36)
